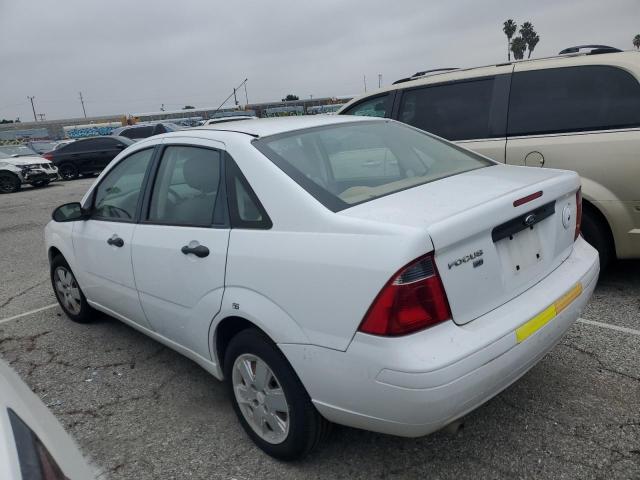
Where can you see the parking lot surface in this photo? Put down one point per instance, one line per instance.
(140, 411)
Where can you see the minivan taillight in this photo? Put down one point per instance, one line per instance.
(578, 212)
(412, 300)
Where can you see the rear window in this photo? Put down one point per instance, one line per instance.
(346, 164)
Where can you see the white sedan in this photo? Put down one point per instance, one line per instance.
(330, 269)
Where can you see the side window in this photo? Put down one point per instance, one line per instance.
(100, 143)
(244, 207)
(138, 132)
(185, 191)
(572, 99)
(455, 111)
(77, 146)
(374, 107)
(117, 195)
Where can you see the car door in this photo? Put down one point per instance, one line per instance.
(471, 112)
(103, 243)
(109, 148)
(179, 247)
(584, 118)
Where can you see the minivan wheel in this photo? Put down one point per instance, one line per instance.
(269, 399)
(40, 183)
(597, 234)
(9, 183)
(68, 171)
(68, 292)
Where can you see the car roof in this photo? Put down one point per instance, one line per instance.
(263, 127)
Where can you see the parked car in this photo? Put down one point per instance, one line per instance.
(234, 118)
(86, 156)
(41, 146)
(144, 130)
(578, 112)
(33, 444)
(330, 269)
(20, 165)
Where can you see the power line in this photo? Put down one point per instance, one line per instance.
(82, 102)
(33, 108)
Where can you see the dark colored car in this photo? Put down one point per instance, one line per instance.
(138, 132)
(86, 156)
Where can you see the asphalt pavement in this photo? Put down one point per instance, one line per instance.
(138, 410)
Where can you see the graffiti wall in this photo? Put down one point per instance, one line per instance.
(90, 130)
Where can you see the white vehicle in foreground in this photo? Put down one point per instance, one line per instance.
(330, 269)
(33, 444)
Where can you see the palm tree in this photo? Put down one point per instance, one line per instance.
(509, 28)
(531, 44)
(636, 41)
(518, 46)
(527, 31)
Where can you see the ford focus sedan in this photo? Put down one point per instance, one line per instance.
(330, 269)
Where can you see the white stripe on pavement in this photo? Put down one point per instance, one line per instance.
(609, 326)
(15, 317)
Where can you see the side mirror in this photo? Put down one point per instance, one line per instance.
(69, 212)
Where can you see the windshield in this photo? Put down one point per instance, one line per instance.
(17, 151)
(346, 164)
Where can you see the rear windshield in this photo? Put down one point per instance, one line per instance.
(345, 164)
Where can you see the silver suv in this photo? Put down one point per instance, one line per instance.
(20, 165)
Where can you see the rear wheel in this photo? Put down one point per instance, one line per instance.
(269, 399)
(596, 232)
(40, 183)
(68, 292)
(9, 183)
(68, 171)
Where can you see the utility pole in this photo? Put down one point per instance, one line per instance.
(33, 108)
(379, 80)
(162, 107)
(82, 102)
(41, 115)
(235, 98)
(246, 97)
(364, 79)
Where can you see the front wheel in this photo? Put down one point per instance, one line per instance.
(9, 183)
(68, 292)
(269, 399)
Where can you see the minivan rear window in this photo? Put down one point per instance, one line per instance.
(346, 164)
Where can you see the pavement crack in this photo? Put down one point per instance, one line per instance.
(22, 292)
(603, 366)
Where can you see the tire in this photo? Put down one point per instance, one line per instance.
(68, 171)
(40, 184)
(64, 285)
(9, 182)
(305, 427)
(597, 234)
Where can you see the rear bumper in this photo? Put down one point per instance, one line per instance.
(411, 386)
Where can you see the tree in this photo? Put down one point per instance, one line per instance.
(529, 35)
(4, 120)
(188, 107)
(518, 47)
(509, 28)
(290, 97)
(636, 41)
(531, 44)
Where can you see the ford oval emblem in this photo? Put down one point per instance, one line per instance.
(566, 216)
(529, 219)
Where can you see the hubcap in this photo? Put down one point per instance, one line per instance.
(261, 398)
(6, 185)
(67, 289)
(67, 172)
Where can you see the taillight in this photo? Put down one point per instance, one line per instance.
(578, 213)
(412, 300)
(48, 156)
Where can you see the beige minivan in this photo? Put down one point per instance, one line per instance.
(577, 112)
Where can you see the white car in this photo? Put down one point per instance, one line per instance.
(20, 165)
(33, 444)
(330, 269)
(231, 118)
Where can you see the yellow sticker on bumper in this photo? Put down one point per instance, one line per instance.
(536, 323)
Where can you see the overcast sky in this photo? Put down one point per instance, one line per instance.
(131, 56)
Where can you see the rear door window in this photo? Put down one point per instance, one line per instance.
(573, 99)
(458, 111)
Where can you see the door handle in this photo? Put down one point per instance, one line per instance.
(198, 250)
(115, 240)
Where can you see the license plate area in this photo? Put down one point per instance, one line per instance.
(521, 250)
